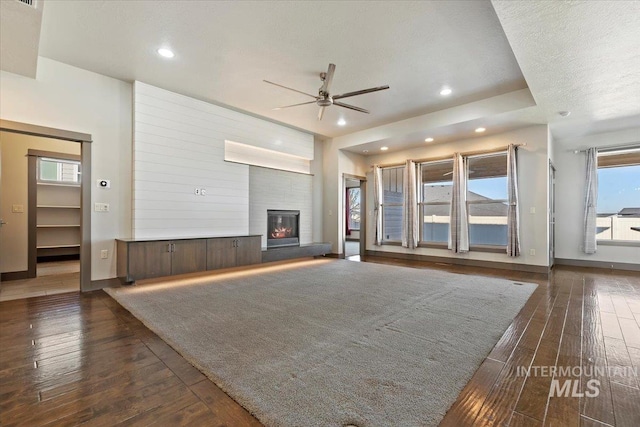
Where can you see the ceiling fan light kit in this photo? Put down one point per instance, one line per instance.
(324, 98)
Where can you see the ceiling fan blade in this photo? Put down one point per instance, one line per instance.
(360, 92)
(295, 90)
(321, 113)
(295, 105)
(328, 78)
(351, 107)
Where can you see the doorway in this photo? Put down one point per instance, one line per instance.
(54, 227)
(354, 218)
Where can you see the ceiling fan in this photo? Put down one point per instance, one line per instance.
(324, 99)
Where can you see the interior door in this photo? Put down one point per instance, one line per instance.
(2, 222)
(552, 214)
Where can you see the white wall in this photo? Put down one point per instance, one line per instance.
(280, 190)
(179, 145)
(533, 184)
(336, 163)
(70, 98)
(318, 187)
(570, 172)
(14, 249)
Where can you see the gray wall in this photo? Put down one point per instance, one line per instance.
(274, 189)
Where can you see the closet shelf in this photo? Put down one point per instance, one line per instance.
(57, 225)
(57, 246)
(58, 207)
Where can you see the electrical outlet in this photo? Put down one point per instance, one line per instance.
(104, 254)
(532, 252)
(532, 210)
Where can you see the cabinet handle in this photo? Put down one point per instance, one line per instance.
(173, 247)
(169, 247)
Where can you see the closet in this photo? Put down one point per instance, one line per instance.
(57, 204)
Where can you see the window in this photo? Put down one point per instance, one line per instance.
(618, 205)
(487, 199)
(392, 204)
(435, 201)
(353, 199)
(58, 170)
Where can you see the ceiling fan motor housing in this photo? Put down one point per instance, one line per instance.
(325, 101)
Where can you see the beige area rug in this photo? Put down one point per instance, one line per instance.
(333, 343)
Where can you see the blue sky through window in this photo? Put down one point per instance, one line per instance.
(493, 188)
(618, 188)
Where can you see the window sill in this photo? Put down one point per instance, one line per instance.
(474, 248)
(631, 243)
(489, 248)
(392, 243)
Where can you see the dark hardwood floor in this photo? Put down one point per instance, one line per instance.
(74, 358)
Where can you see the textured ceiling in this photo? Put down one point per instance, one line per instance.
(578, 56)
(225, 49)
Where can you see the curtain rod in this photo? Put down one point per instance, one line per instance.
(467, 153)
(605, 149)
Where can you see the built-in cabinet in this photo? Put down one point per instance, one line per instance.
(146, 259)
(57, 219)
(233, 252)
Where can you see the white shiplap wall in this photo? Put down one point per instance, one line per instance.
(274, 189)
(179, 146)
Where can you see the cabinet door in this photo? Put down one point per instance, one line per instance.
(248, 250)
(221, 253)
(149, 259)
(189, 256)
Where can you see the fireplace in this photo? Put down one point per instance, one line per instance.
(283, 228)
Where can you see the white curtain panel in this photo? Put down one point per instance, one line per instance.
(513, 217)
(410, 226)
(590, 201)
(377, 203)
(459, 229)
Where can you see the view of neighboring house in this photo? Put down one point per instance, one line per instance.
(624, 225)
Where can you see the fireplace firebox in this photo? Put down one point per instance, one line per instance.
(283, 228)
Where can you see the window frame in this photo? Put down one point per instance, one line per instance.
(425, 243)
(613, 152)
(350, 210)
(59, 181)
(485, 247)
(385, 241)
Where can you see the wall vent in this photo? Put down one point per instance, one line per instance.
(31, 3)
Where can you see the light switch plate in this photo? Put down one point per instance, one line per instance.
(17, 208)
(104, 254)
(101, 207)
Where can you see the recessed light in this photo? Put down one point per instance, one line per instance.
(480, 130)
(564, 113)
(342, 122)
(428, 140)
(166, 53)
(445, 91)
(385, 148)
